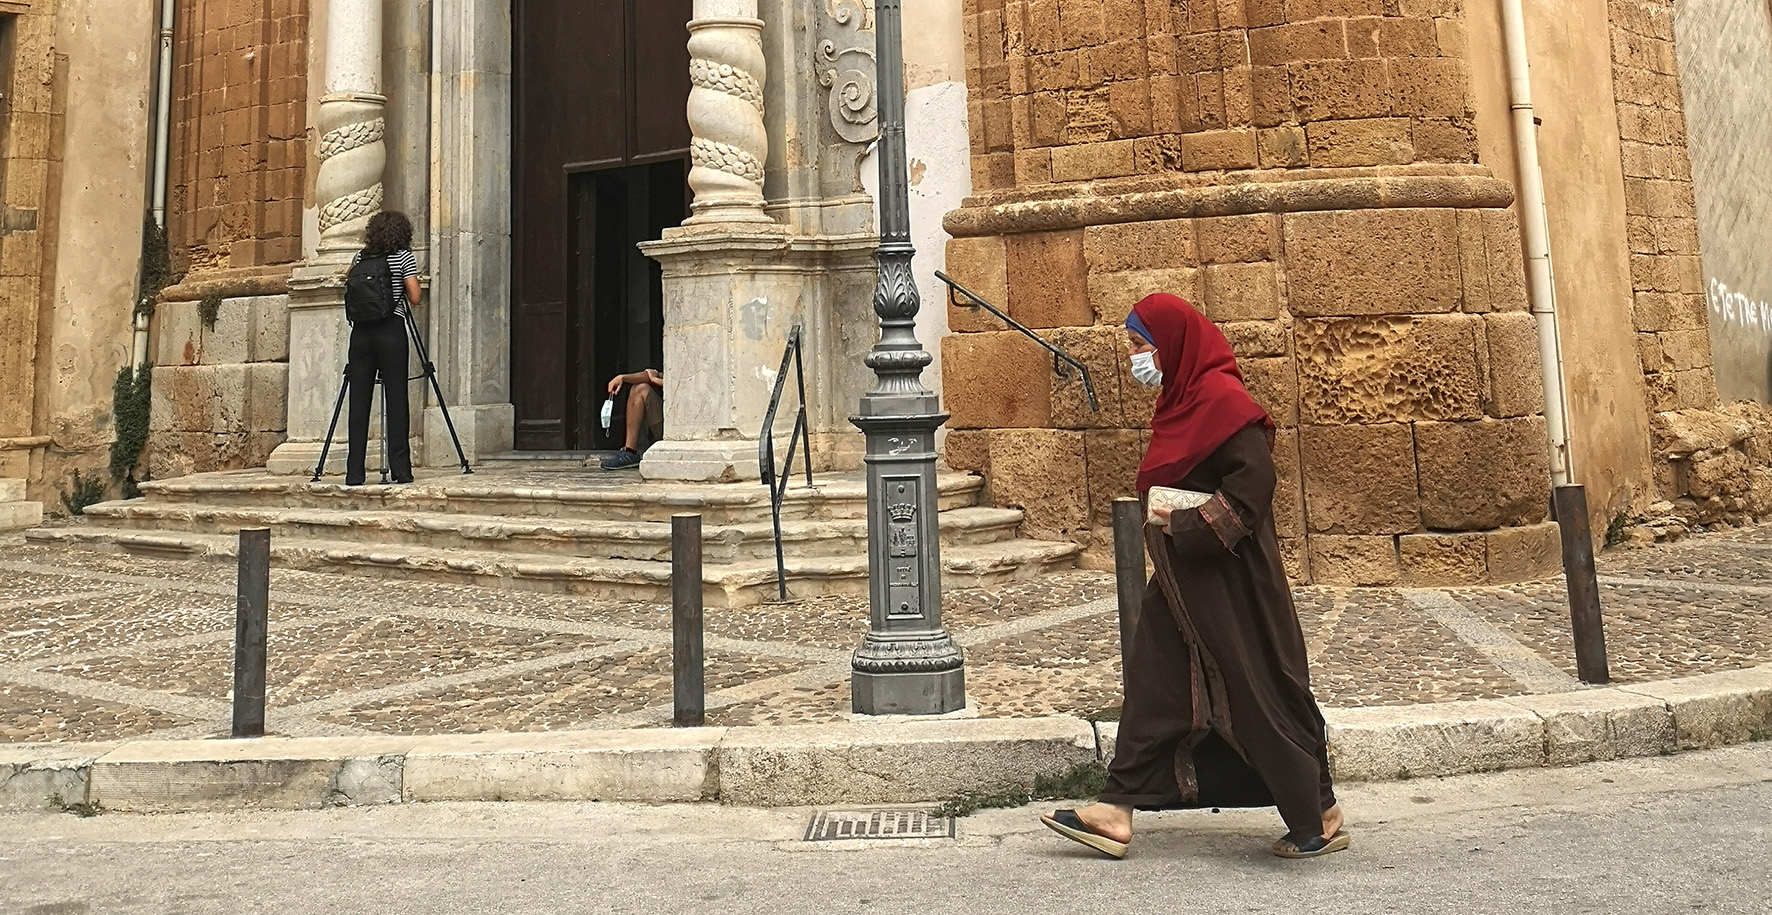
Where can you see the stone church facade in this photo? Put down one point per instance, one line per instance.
(598, 186)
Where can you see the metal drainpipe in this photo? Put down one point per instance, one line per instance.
(1569, 499)
(162, 148)
(1534, 219)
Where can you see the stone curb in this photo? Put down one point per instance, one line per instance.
(856, 762)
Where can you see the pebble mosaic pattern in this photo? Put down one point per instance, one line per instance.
(100, 646)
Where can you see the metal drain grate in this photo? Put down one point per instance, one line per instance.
(832, 825)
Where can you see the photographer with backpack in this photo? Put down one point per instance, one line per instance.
(380, 292)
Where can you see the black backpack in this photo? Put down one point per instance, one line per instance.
(369, 291)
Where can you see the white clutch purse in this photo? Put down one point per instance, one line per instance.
(1173, 500)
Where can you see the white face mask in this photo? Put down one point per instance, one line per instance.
(1144, 368)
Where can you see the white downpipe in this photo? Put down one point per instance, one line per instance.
(162, 153)
(1536, 222)
(163, 113)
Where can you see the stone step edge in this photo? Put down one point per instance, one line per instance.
(885, 761)
(974, 559)
(116, 515)
(712, 494)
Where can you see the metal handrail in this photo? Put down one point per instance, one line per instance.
(778, 483)
(1060, 358)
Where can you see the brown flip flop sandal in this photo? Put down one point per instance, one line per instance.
(1066, 823)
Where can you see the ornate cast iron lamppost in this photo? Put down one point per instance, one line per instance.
(908, 664)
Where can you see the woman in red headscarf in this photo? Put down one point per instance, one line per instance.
(1218, 709)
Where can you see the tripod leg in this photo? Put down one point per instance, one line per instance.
(332, 427)
(382, 381)
(430, 373)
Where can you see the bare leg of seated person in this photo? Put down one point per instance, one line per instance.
(629, 455)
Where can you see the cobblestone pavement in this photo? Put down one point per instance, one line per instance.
(98, 647)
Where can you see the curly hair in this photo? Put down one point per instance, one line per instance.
(388, 232)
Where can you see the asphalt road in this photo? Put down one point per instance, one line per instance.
(1678, 834)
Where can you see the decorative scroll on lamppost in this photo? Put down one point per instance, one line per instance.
(907, 664)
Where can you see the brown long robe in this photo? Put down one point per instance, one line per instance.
(1218, 709)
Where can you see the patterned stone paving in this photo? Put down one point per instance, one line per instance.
(102, 647)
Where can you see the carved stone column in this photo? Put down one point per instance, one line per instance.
(348, 190)
(353, 126)
(729, 145)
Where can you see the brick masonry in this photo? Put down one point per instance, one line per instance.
(239, 134)
(1375, 297)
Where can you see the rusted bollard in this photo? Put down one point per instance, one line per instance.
(1128, 520)
(1570, 505)
(251, 627)
(688, 700)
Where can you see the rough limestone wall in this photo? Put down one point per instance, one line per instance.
(239, 134)
(30, 165)
(221, 391)
(1301, 171)
(220, 398)
(1712, 463)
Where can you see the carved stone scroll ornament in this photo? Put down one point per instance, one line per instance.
(847, 68)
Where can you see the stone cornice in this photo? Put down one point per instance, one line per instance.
(237, 282)
(1071, 206)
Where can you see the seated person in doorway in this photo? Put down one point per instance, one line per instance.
(645, 419)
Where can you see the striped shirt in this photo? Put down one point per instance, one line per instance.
(401, 264)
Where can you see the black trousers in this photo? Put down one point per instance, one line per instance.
(379, 349)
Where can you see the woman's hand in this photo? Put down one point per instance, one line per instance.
(1166, 516)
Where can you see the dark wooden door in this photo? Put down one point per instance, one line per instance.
(600, 91)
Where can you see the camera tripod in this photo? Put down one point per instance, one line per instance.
(429, 372)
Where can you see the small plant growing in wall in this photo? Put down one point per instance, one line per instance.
(82, 492)
(210, 309)
(131, 397)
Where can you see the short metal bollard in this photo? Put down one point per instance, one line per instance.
(1128, 520)
(688, 699)
(251, 626)
(1570, 505)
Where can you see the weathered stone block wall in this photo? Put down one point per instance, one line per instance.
(29, 178)
(239, 134)
(1275, 163)
(220, 394)
(1711, 463)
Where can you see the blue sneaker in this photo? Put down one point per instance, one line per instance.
(622, 460)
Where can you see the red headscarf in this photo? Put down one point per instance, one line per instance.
(1203, 402)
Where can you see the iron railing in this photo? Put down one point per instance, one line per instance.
(1060, 358)
(802, 434)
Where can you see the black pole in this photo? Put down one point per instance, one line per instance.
(686, 622)
(430, 370)
(1128, 521)
(331, 428)
(251, 624)
(1570, 505)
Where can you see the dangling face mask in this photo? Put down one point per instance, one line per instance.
(1144, 368)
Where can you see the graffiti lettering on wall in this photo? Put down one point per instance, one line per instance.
(1735, 309)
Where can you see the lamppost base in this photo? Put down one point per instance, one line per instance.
(920, 693)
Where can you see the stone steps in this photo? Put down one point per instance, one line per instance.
(732, 584)
(646, 541)
(599, 497)
(15, 513)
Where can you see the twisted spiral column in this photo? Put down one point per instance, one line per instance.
(353, 126)
(729, 142)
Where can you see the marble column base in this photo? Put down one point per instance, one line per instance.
(701, 462)
(483, 428)
(300, 458)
